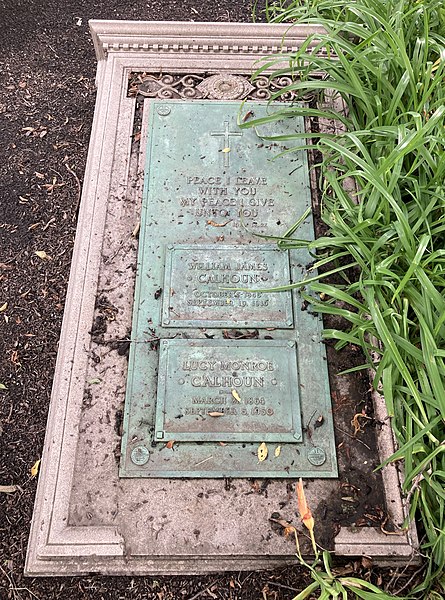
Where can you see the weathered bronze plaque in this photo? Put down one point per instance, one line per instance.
(198, 278)
(216, 370)
(224, 390)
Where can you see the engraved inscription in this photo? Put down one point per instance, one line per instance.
(228, 390)
(196, 276)
(224, 197)
(210, 179)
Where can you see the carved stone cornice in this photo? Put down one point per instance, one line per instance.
(230, 39)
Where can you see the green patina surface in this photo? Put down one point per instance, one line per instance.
(212, 368)
(224, 390)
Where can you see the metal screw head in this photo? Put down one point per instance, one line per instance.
(139, 455)
(316, 456)
(163, 110)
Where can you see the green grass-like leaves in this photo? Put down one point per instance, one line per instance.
(386, 60)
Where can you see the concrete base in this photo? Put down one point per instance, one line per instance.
(86, 519)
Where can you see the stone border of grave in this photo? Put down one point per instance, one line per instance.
(122, 47)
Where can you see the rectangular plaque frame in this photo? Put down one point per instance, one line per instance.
(240, 403)
(281, 303)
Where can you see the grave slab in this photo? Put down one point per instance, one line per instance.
(89, 519)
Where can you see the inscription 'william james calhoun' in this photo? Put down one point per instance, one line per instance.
(202, 271)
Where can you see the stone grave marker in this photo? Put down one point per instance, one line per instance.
(150, 463)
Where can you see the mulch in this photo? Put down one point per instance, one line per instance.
(47, 71)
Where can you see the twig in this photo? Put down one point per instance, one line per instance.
(312, 416)
(419, 570)
(352, 437)
(397, 573)
(203, 461)
(27, 590)
(48, 224)
(281, 585)
(55, 53)
(79, 189)
(203, 591)
(12, 585)
(121, 245)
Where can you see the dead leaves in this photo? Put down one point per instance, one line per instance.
(137, 228)
(3, 308)
(238, 334)
(213, 224)
(358, 427)
(10, 489)
(15, 359)
(39, 132)
(288, 528)
(50, 187)
(262, 452)
(215, 414)
(42, 255)
(305, 512)
(35, 468)
(236, 395)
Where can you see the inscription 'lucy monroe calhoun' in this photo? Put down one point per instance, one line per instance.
(196, 384)
(235, 379)
(204, 271)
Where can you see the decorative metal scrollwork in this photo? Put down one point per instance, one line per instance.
(225, 87)
(216, 87)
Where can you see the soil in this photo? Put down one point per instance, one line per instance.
(47, 67)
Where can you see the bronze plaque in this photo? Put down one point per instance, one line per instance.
(227, 390)
(200, 281)
(214, 371)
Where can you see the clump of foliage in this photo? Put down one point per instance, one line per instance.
(386, 60)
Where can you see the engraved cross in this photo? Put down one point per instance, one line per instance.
(226, 133)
